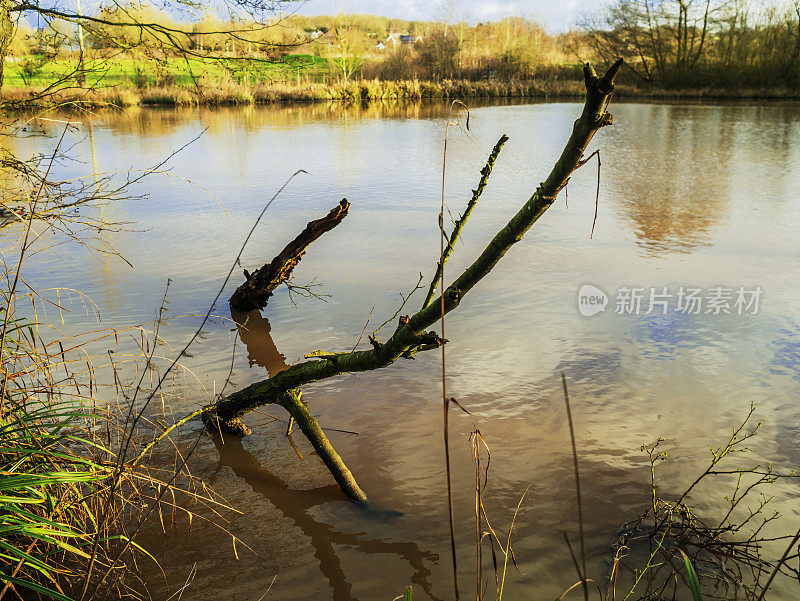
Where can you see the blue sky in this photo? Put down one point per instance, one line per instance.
(555, 15)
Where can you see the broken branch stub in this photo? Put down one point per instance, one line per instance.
(411, 336)
(258, 287)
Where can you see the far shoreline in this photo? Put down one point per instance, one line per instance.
(20, 98)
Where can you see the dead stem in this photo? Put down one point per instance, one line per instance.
(583, 574)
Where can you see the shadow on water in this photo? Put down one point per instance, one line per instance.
(298, 505)
(254, 332)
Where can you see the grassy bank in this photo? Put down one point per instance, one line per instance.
(131, 71)
(232, 94)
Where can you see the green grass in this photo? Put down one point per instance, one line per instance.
(694, 583)
(35, 71)
(127, 80)
(72, 499)
(45, 487)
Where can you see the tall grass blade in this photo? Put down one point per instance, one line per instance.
(694, 583)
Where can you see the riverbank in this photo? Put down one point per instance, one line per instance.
(231, 94)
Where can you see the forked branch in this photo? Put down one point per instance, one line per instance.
(411, 335)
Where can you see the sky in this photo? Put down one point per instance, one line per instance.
(555, 15)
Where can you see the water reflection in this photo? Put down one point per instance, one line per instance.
(674, 187)
(297, 505)
(787, 353)
(220, 120)
(692, 162)
(677, 187)
(254, 332)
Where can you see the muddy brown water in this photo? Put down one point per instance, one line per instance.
(691, 196)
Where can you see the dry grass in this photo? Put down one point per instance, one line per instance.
(229, 93)
(76, 481)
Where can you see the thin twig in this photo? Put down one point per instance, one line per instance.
(364, 329)
(577, 487)
(22, 257)
(445, 400)
(461, 221)
(597, 196)
(779, 565)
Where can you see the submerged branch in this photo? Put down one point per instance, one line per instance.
(258, 287)
(410, 335)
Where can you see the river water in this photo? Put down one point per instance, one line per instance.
(694, 200)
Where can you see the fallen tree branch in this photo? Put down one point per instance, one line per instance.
(258, 287)
(410, 335)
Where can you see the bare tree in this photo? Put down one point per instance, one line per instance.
(6, 33)
(656, 36)
(127, 27)
(345, 57)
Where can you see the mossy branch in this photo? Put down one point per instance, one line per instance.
(462, 221)
(411, 334)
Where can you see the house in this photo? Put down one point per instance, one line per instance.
(398, 39)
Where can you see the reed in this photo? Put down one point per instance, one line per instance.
(75, 487)
(230, 93)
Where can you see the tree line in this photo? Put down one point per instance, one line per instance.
(686, 43)
(666, 43)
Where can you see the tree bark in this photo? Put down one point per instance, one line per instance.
(410, 335)
(291, 401)
(258, 287)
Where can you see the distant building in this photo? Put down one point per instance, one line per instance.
(398, 39)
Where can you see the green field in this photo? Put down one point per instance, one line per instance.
(35, 71)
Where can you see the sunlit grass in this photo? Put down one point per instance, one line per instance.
(144, 72)
(77, 478)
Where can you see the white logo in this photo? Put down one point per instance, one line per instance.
(591, 300)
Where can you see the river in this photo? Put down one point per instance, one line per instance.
(694, 200)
